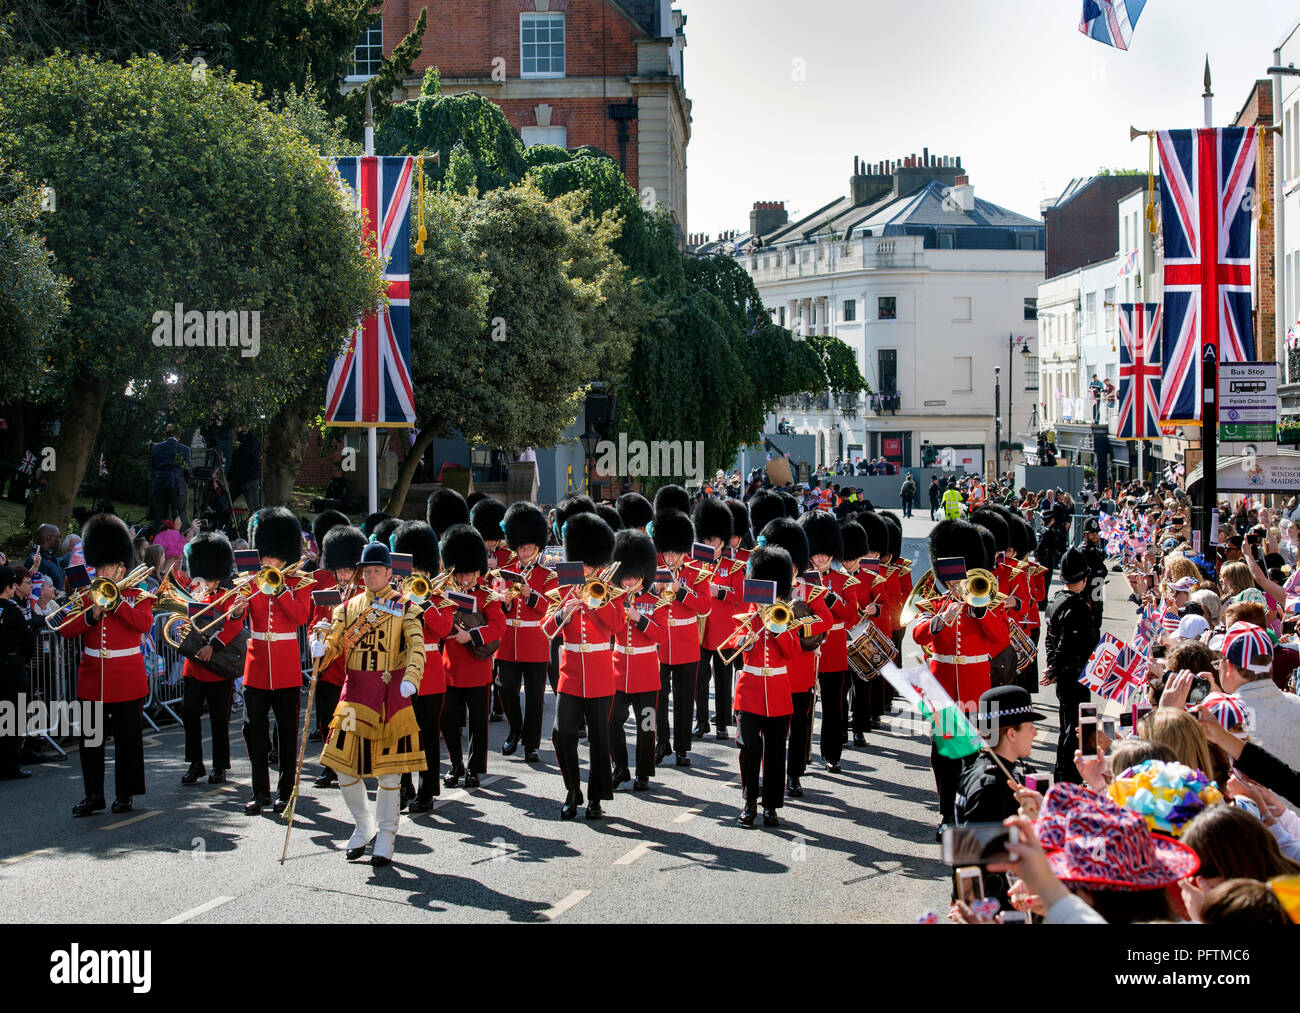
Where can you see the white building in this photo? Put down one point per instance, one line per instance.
(933, 289)
(1286, 207)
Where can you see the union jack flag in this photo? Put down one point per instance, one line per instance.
(1101, 661)
(28, 465)
(370, 384)
(1207, 186)
(1115, 670)
(1129, 264)
(1139, 371)
(1111, 21)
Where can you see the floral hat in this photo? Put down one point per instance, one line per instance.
(1165, 795)
(1090, 840)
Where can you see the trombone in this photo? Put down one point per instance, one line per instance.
(267, 580)
(776, 618)
(102, 592)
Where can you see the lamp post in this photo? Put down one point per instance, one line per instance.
(589, 439)
(997, 418)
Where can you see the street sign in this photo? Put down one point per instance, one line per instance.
(1248, 402)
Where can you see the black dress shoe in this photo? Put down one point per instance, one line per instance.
(722, 735)
(832, 768)
(314, 737)
(329, 779)
(88, 805)
(496, 718)
(621, 775)
(510, 745)
(122, 805)
(569, 810)
(218, 776)
(471, 780)
(582, 734)
(641, 784)
(859, 739)
(748, 815)
(280, 805)
(699, 731)
(404, 796)
(453, 777)
(661, 753)
(15, 775)
(419, 805)
(769, 818)
(192, 775)
(683, 760)
(594, 811)
(531, 756)
(793, 788)
(354, 853)
(378, 861)
(258, 803)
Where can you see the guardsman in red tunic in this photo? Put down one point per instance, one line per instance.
(111, 670)
(1031, 583)
(486, 517)
(962, 640)
(763, 699)
(273, 665)
(210, 561)
(525, 651)
(467, 653)
(687, 598)
(341, 547)
(871, 701)
(861, 586)
(417, 539)
(713, 527)
(636, 658)
(586, 685)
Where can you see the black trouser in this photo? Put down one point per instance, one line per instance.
(570, 713)
(258, 704)
(169, 500)
(532, 674)
(1028, 679)
(933, 507)
(681, 680)
(553, 666)
(496, 690)
(122, 722)
(1069, 694)
(643, 708)
(762, 757)
(947, 775)
(217, 695)
(11, 687)
(833, 724)
(327, 699)
(907, 508)
(711, 662)
(801, 722)
(477, 699)
(428, 715)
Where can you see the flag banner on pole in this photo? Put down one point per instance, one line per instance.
(370, 384)
(1207, 193)
(954, 736)
(1111, 21)
(1139, 371)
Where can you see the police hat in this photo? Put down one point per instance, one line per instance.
(1005, 707)
(1074, 566)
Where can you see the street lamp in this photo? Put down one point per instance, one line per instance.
(589, 439)
(997, 418)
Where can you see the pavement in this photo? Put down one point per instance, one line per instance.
(859, 847)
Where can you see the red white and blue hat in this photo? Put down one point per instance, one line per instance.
(1227, 709)
(1247, 646)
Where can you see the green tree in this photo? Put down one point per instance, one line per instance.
(33, 296)
(173, 188)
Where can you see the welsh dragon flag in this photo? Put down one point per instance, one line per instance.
(954, 736)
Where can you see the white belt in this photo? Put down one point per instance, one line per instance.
(104, 652)
(274, 636)
(959, 659)
(586, 648)
(648, 649)
(683, 622)
(524, 623)
(838, 626)
(755, 670)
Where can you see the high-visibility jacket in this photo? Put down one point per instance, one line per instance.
(952, 505)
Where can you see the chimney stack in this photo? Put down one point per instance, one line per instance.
(767, 216)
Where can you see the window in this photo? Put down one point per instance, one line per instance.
(1031, 309)
(559, 136)
(850, 310)
(1110, 310)
(369, 52)
(1090, 313)
(961, 374)
(1024, 241)
(944, 240)
(961, 309)
(541, 45)
(1031, 372)
(781, 321)
(887, 307)
(887, 369)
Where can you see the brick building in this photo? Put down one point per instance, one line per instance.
(1081, 225)
(1258, 112)
(606, 73)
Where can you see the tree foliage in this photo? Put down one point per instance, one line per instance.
(33, 295)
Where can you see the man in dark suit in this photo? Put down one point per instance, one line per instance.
(169, 463)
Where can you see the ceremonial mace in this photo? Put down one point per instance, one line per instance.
(302, 750)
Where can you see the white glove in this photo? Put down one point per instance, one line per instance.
(317, 648)
(408, 688)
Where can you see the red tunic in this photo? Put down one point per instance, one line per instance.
(893, 596)
(335, 671)
(763, 683)
(725, 601)
(274, 659)
(223, 634)
(437, 624)
(636, 648)
(586, 665)
(523, 639)
(462, 668)
(962, 651)
(121, 676)
(803, 667)
(682, 618)
(1013, 580)
(843, 605)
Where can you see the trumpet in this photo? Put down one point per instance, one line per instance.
(102, 592)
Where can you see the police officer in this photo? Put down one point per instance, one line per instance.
(1071, 636)
(1095, 553)
(952, 502)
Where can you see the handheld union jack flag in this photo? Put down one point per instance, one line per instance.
(28, 465)
(1207, 186)
(1111, 21)
(1125, 676)
(1101, 661)
(370, 384)
(1139, 371)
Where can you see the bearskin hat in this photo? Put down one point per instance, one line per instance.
(372, 521)
(474, 499)
(990, 546)
(855, 540)
(525, 524)
(673, 531)
(342, 547)
(957, 538)
(486, 516)
(588, 539)
(787, 535)
(995, 524)
(384, 530)
(634, 510)
(610, 516)
(571, 507)
(672, 497)
(210, 556)
(418, 539)
(323, 521)
(274, 532)
(712, 519)
(463, 550)
(740, 521)
(771, 562)
(1022, 536)
(792, 509)
(823, 532)
(895, 529)
(876, 530)
(636, 557)
(765, 506)
(445, 508)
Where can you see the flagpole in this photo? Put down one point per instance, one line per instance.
(372, 463)
(1209, 393)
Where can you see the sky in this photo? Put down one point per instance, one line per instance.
(786, 94)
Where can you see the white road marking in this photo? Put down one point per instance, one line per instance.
(132, 819)
(577, 896)
(194, 912)
(27, 854)
(687, 816)
(641, 849)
